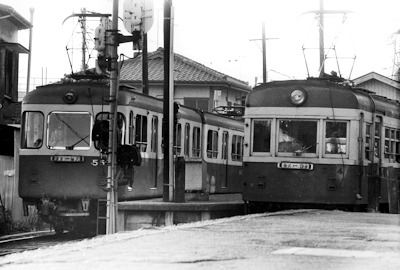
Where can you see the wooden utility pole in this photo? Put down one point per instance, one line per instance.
(83, 28)
(31, 10)
(321, 40)
(264, 52)
(145, 66)
(167, 105)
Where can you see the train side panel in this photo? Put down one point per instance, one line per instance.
(223, 154)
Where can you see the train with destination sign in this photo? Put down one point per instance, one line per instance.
(320, 143)
(63, 165)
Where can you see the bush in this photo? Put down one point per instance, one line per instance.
(32, 222)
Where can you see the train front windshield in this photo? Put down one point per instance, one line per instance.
(295, 136)
(67, 130)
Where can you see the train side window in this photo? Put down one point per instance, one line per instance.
(262, 136)
(397, 145)
(154, 134)
(178, 139)
(141, 132)
(391, 145)
(367, 141)
(101, 130)
(212, 144)
(32, 130)
(186, 141)
(225, 142)
(121, 127)
(237, 148)
(196, 142)
(387, 152)
(131, 128)
(335, 137)
(377, 147)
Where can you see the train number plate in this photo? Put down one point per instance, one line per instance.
(67, 159)
(296, 166)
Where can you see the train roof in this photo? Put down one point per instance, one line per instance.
(89, 93)
(223, 121)
(321, 93)
(97, 93)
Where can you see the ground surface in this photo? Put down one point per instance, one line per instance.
(303, 239)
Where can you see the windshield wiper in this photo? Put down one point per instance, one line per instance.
(73, 130)
(71, 147)
(303, 150)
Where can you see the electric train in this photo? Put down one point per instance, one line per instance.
(63, 162)
(320, 143)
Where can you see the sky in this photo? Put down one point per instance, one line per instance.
(225, 35)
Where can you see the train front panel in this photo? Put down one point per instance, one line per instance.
(318, 143)
(57, 156)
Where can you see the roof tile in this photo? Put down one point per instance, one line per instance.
(185, 70)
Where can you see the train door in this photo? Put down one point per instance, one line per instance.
(374, 170)
(155, 149)
(225, 167)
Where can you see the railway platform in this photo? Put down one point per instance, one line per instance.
(133, 215)
(292, 239)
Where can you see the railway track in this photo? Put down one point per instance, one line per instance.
(29, 241)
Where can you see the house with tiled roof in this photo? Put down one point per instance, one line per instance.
(379, 84)
(195, 85)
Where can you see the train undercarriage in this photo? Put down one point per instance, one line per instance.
(83, 216)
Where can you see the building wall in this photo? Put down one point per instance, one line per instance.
(8, 31)
(7, 176)
(381, 89)
(217, 96)
(9, 182)
(17, 207)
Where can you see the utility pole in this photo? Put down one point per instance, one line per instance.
(83, 28)
(31, 10)
(112, 195)
(168, 178)
(321, 40)
(145, 66)
(264, 52)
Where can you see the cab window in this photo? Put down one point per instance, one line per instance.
(32, 130)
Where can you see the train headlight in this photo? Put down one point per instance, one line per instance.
(70, 97)
(298, 97)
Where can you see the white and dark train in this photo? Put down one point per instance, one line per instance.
(63, 165)
(315, 143)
